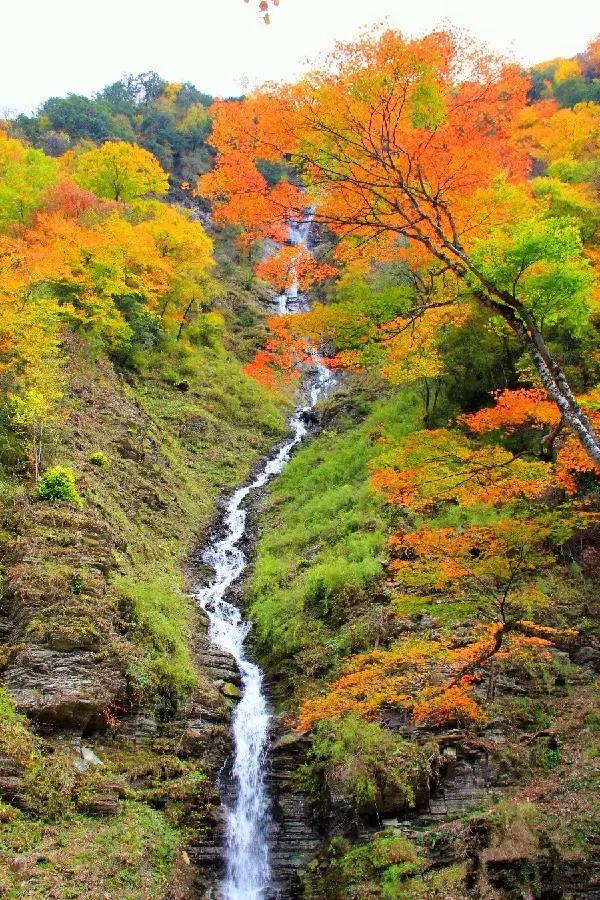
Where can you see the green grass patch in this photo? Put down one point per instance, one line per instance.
(445, 610)
(323, 546)
(163, 618)
(16, 738)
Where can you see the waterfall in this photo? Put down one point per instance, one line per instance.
(246, 851)
(298, 233)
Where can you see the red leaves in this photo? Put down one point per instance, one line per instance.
(532, 408)
(512, 410)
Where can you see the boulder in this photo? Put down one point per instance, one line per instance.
(64, 689)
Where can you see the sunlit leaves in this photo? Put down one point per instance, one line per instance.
(25, 176)
(120, 171)
(541, 260)
(427, 467)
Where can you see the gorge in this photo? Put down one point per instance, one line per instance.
(299, 483)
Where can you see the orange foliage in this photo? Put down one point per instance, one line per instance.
(280, 358)
(454, 704)
(432, 680)
(530, 407)
(453, 132)
(68, 199)
(491, 555)
(427, 467)
(293, 265)
(512, 410)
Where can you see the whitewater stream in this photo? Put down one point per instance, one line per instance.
(247, 874)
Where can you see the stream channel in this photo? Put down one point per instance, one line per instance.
(246, 853)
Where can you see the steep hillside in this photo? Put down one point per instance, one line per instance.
(101, 647)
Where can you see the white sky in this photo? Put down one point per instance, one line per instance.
(222, 46)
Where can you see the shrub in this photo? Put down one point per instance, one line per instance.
(363, 764)
(58, 483)
(16, 739)
(100, 459)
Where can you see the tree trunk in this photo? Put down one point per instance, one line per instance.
(555, 382)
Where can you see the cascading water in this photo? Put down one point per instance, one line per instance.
(298, 233)
(246, 851)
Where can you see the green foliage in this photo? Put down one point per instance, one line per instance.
(433, 885)
(207, 330)
(171, 121)
(25, 176)
(323, 546)
(362, 764)
(79, 117)
(382, 867)
(58, 483)
(100, 459)
(16, 738)
(164, 619)
(542, 258)
(130, 855)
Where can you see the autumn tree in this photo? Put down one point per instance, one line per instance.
(405, 149)
(186, 248)
(25, 176)
(120, 171)
(475, 534)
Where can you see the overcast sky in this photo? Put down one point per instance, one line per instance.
(222, 46)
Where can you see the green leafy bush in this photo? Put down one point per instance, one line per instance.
(58, 483)
(100, 459)
(363, 764)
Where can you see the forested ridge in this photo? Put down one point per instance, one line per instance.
(425, 589)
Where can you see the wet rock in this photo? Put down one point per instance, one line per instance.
(294, 837)
(90, 757)
(231, 690)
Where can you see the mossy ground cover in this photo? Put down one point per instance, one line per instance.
(323, 546)
(129, 856)
(54, 841)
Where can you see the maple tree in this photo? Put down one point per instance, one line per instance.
(474, 526)
(433, 681)
(530, 408)
(405, 150)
